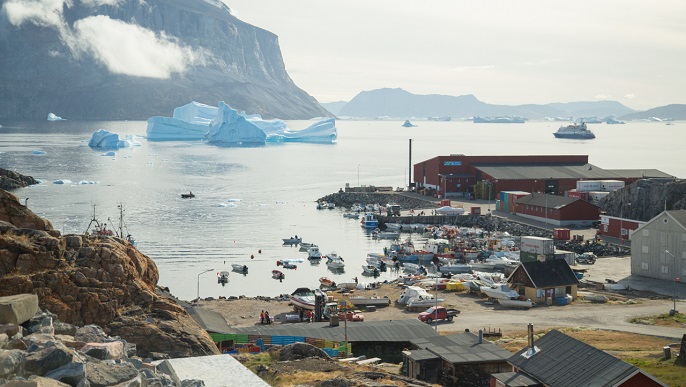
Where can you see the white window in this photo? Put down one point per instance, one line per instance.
(646, 232)
(644, 265)
(644, 249)
(664, 269)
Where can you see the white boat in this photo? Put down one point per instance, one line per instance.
(422, 302)
(576, 131)
(331, 206)
(239, 267)
(314, 253)
(455, 268)
(223, 277)
(447, 210)
(516, 303)
(333, 261)
(351, 215)
(286, 264)
(292, 240)
(370, 270)
(499, 291)
(369, 301)
(385, 234)
(304, 298)
(322, 205)
(369, 221)
(413, 292)
(414, 268)
(482, 265)
(501, 262)
(305, 245)
(393, 226)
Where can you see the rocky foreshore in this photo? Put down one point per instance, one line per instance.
(48, 352)
(10, 180)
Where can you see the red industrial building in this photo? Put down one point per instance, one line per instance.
(559, 211)
(484, 177)
(616, 227)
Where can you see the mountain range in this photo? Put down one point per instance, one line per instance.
(132, 59)
(399, 103)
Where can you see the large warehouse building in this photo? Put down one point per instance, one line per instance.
(484, 177)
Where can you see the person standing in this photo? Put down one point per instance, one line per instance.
(262, 317)
(302, 315)
(267, 318)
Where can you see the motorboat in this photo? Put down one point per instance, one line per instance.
(304, 298)
(314, 253)
(501, 262)
(334, 261)
(516, 303)
(223, 277)
(498, 291)
(286, 264)
(455, 268)
(575, 131)
(331, 205)
(304, 246)
(482, 265)
(414, 268)
(369, 221)
(412, 292)
(239, 268)
(351, 215)
(360, 301)
(422, 302)
(370, 270)
(278, 274)
(378, 234)
(292, 240)
(325, 281)
(322, 205)
(187, 196)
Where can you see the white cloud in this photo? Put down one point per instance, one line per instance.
(130, 49)
(123, 48)
(630, 96)
(602, 96)
(47, 13)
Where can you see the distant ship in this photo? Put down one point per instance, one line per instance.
(444, 118)
(578, 131)
(499, 120)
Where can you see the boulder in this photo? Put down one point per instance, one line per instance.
(10, 362)
(35, 382)
(104, 351)
(71, 374)
(18, 308)
(298, 351)
(47, 359)
(109, 374)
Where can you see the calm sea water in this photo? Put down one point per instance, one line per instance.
(248, 199)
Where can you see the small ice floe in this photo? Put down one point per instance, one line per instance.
(110, 153)
(232, 205)
(62, 181)
(54, 117)
(87, 182)
(39, 152)
(234, 200)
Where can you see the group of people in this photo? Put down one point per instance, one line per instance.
(265, 318)
(304, 314)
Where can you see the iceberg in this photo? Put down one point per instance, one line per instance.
(62, 181)
(223, 125)
(53, 117)
(231, 129)
(39, 152)
(321, 132)
(105, 139)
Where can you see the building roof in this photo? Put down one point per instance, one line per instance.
(549, 201)
(420, 354)
(679, 216)
(515, 379)
(550, 273)
(209, 320)
(545, 171)
(388, 331)
(640, 173)
(563, 361)
(463, 348)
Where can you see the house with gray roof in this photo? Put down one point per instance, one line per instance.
(558, 360)
(658, 247)
(544, 282)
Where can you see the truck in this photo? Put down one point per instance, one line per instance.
(343, 313)
(393, 209)
(436, 313)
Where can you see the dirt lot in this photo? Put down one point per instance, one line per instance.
(478, 313)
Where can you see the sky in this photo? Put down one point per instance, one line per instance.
(502, 52)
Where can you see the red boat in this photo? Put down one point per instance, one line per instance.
(327, 282)
(277, 274)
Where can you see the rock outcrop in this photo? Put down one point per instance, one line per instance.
(63, 60)
(10, 180)
(646, 198)
(93, 280)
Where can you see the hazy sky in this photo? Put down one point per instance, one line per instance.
(503, 52)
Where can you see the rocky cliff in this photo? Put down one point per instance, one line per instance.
(646, 198)
(133, 59)
(12, 180)
(93, 280)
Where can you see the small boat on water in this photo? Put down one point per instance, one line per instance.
(369, 221)
(322, 205)
(575, 131)
(334, 261)
(454, 268)
(314, 253)
(278, 274)
(223, 277)
(286, 264)
(292, 240)
(351, 215)
(331, 205)
(370, 270)
(187, 196)
(378, 234)
(239, 268)
(414, 268)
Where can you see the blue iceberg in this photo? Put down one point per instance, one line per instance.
(106, 140)
(53, 117)
(225, 126)
(231, 129)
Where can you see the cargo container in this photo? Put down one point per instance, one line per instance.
(533, 257)
(445, 203)
(537, 245)
(568, 256)
(572, 193)
(561, 234)
(508, 199)
(588, 185)
(611, 185)
(596, 196)
(476, 210)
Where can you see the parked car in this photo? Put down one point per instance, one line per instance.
(588, 258)
(436, 313)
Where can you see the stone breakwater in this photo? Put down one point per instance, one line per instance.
(53, 353)
(347, 199)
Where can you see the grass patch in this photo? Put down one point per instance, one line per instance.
(678, 320)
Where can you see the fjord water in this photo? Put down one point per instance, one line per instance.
(248, 199)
